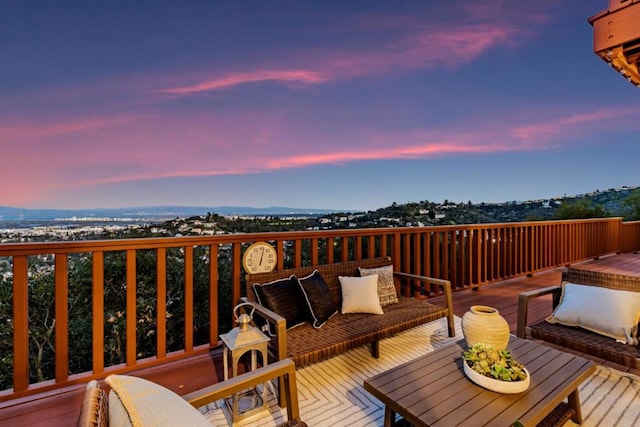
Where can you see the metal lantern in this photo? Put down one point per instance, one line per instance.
(244, 338)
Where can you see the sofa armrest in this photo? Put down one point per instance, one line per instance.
(284, 369)
(446, 287)
(523, 305)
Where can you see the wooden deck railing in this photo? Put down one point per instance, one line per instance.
(467, 255)
(630, 236)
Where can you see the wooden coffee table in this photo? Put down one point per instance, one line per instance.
(433, 390)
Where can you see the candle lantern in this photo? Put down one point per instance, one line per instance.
(244, 338)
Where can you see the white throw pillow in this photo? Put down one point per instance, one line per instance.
(609, 312)
(360, 294)
(148, 404)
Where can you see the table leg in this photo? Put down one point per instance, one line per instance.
(389, 417)
(574, 403)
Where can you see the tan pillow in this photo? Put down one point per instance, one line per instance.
(149, 404)
(609, 312)
(386, 287)
(360, 294)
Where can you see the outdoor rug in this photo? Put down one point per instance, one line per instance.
(331, 393)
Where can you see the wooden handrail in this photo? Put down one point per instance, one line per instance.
(469, 256)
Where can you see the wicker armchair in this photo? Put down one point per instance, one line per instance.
(576, 338)
(171, 409)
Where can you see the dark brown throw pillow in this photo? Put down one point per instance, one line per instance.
(284, 297)
(318, 298)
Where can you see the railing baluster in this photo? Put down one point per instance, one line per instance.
(396, 250)
(406, 264)
(131, 308)
(297, 253)
(437, 244)
(330, 248)
(213, 294)
(97, 321)
(20, 323)
(426, 256)
(161, 303)
(383, 245)
(188, 299)
(279, 252)
(345, 249)
(62, 318)
(417, 260)
(314, 251)
(236, 258)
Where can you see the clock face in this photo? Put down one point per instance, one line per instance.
(259, 258)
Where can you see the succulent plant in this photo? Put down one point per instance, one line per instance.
(492, 363)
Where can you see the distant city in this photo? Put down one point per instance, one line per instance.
(143, 214)
(28, 225)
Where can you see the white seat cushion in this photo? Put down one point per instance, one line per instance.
(609, 312)
(138, 402)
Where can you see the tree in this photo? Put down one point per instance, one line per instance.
(632, 206)
(581, 209)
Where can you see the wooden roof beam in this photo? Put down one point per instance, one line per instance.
(616, 37)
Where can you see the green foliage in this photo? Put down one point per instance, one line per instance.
(632, 206)
(6, 334)
(41, 326)
(581, 209)
(492, 363)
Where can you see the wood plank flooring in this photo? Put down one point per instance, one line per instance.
(62, 408)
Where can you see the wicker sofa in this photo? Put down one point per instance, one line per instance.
(306, 344)
(577, 338)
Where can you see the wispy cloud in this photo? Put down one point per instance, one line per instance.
(285, 76)
(572, 124)
(15, 133)
(402, 152)
(436, 47)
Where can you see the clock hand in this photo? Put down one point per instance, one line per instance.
(261, 256)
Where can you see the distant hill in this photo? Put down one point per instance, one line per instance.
(611, 202)
(152, 212)
(423, 212)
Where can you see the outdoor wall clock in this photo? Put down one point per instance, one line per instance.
(260, 257)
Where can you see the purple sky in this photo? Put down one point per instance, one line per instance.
(322, 104)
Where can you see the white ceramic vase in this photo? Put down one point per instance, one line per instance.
(482, 324)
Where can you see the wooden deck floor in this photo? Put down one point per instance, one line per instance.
(61, 409)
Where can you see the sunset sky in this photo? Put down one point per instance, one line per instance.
(343, 104)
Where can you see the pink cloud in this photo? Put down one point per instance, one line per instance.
(438, 46)
(284, 76)
(454, 46)
(29, 130)
(456, 144)
(207, 145)
(563, 126)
